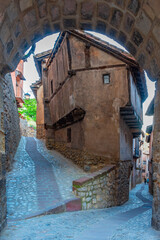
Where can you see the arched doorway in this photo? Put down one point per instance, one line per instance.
(133, 23)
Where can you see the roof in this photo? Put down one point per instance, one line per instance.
(150, 109)
(20, 75)
(27, 94)
(34, 87)
(97, 42)
(124, 56)
(38, 58)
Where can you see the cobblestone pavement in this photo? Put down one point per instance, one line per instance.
(25, 196)
(62, 168)
(36, 179)
(73, 225)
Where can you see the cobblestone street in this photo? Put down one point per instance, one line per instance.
(37, 179)
(25, 196)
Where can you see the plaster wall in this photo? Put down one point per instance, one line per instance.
(40, 130)
(101, 103)
(40, 106)
(135, 98)
(98, 58)
(126, 141)
(77, 136)
(101, 125)
(17, 82)
(58, 70)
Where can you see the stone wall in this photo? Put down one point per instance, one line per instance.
(3, 204)
(26, 131)
(83, 159)
(98, 189)
(3, 208)
(11, 121)
(123, 170)
(41, 131)
(93, 163)
(156, 161)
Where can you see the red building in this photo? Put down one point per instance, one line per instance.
(17, 80)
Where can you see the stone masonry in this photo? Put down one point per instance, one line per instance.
(3, 207)
(91, 163)
(26, 130)
(11, 121)
(156, 161)
(41, 132)
(97, 190)
(9, 125)
(123, 170)
(83, 159)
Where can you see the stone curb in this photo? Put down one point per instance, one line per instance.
(92, 176)
(70, 205)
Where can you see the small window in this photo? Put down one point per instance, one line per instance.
(106, 78)
(51, 86)
(68, 135)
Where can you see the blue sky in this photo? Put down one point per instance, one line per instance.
(47, 43)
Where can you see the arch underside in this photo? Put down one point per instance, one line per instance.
(133, 23)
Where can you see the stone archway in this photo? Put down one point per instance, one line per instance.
(133, 23)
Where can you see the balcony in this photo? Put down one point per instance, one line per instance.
(76, 115)
(19, 102)
(132, 119)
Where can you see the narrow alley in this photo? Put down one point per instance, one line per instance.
(42, 179)
(39, 180)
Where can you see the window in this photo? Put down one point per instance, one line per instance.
(68, 135)
(51, 86)
(106, 78)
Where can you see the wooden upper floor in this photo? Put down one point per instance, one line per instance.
(78, 52)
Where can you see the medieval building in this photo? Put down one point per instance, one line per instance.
(17, 80)
(90, 97)
(133, 23)
(37, 89)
